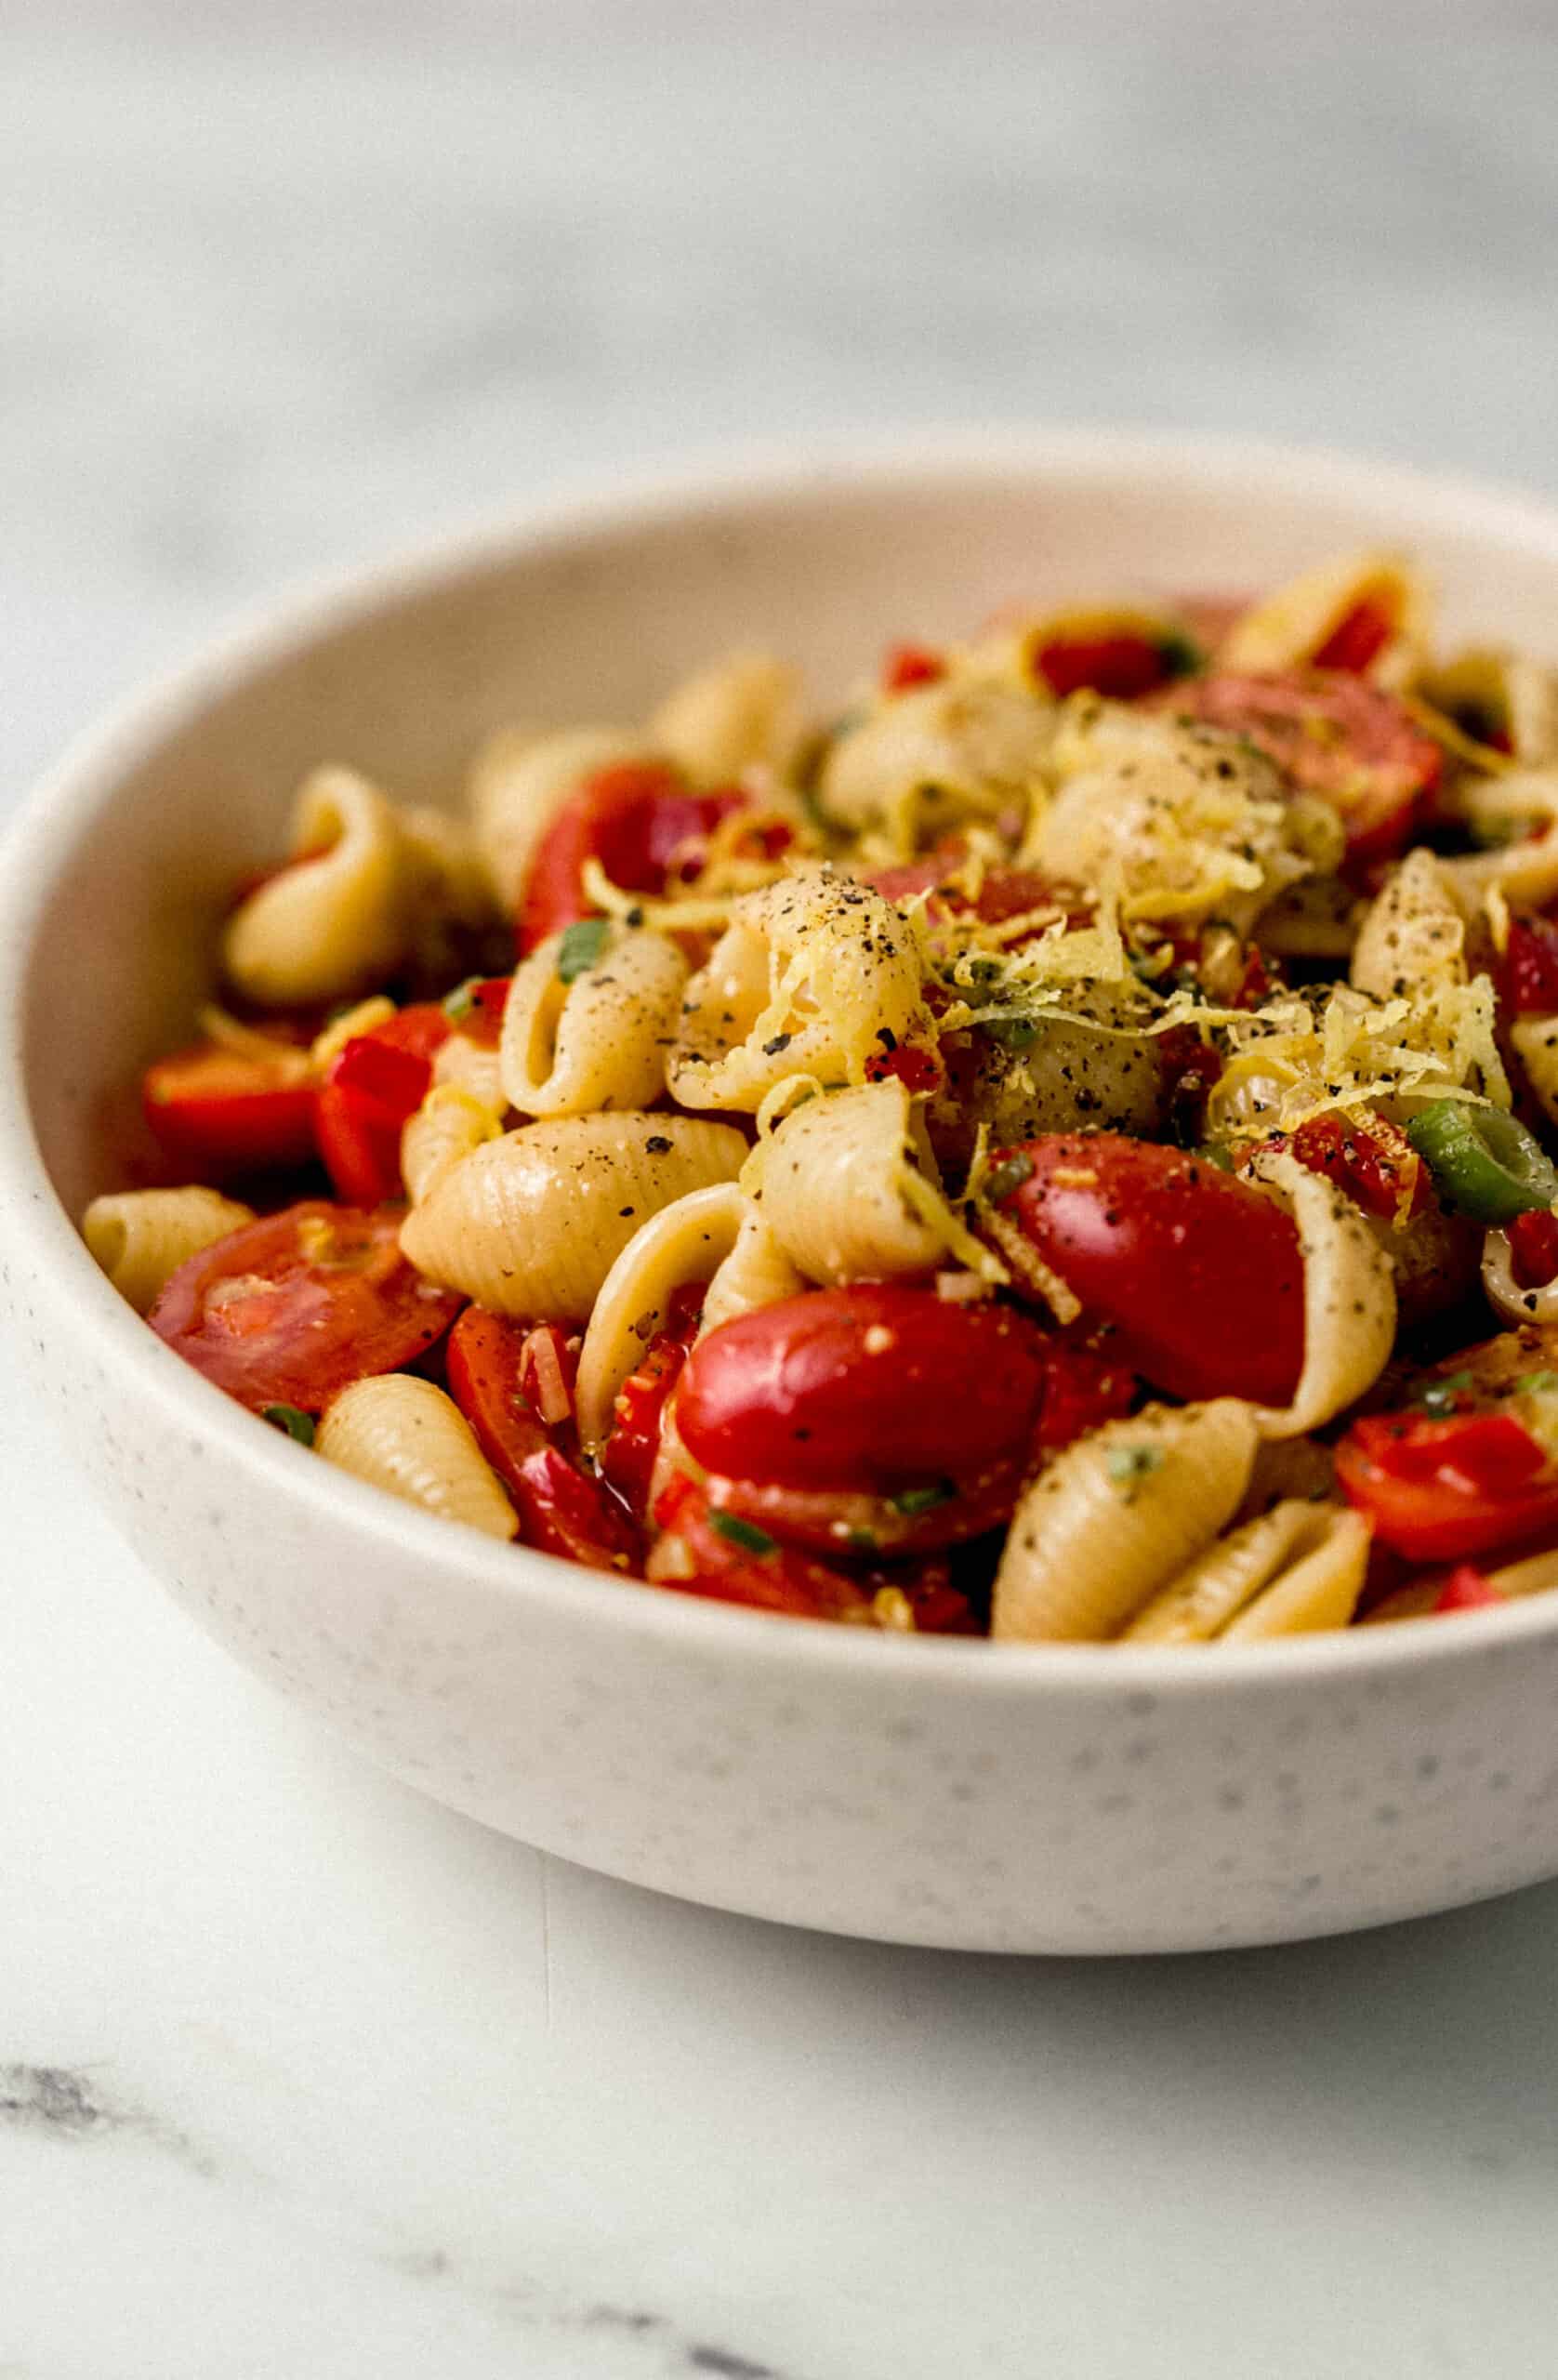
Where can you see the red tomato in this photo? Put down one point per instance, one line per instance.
(734, 1561)
(867, 1524)
(1082, 1390)
(629, 1457)
(639, 819)
(1533, 1248)
(909, 1062)
(1121, 666)
(1528, 976)
(372, 1086)
(482, 1021)
(293, 1308)
(222, 1114)
(1371, 1160)
(875, 1387)
(1199, 1275)
(1333, 734)
(910, 665)
(1358, 639)
(1004, 892)
(1466, 1589)
(562, 1509)
(1436, 1489)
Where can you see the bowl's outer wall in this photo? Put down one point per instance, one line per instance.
(974, 1804)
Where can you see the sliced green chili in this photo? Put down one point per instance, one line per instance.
(1484, 1163)
(297, 1424)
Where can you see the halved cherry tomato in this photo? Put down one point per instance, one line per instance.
(731, 1560)
(1082, 1390)
(1121, 665)
(1198, 1274)
(1528, 975)
(1467, 1589)
(1534, 1248)
(1004, 892)
(641, 820)
(294, 1307)
(1358, 637)
(372, 1086)
(910, 1063)
(1370, 1159)
(1333, 734)
(874, 1388)
(629, 1457)
(562, 1509)
(910, 665)
(223, 1113)
(1437, 1489)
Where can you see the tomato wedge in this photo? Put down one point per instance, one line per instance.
(224, 1113)
(372, 1086)
(562, 1510)
(704, 1549)
(633, 1448)
(1370, 1159)
(1198, 1276)
(1332, 734)
(1436, 1489)
(1358, 637)
(296, 1307)
(1121, 663)
(1528, 972)
(641, 820)
(874, 1388)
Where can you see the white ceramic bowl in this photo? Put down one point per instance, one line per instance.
(1036, 1798)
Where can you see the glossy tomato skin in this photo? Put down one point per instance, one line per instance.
(1122, 664)
(562, 1509)
(873, 1387)
(373, 1085)
(632, 1447)
(639, 819)
(1334, 734)
(1528, 971)
(296, 1307)
(1198, 1276)
(1436, 1489)
(744, 1567)
(220, 1114)
(1358, 637)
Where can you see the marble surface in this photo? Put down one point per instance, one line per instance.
(300, 2075)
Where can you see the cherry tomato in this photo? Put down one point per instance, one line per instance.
(629, 1457)
(706, 1550)
(910, 665)
(223, 1113)
(1333, 734)
(1371, 1160)
(293, 1308)
(1004, 892)
(1358, 637)
(1082, 1390)
(641, 820)
(481, 1018)
(873, 1387)
(562, 1509)
(372, 1086)
(1436, 1489)
(1467, 1589)
(1121, 665)
(1198, 1274)
(1533, 1248)
(1528, 975)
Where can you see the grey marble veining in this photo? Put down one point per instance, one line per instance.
(298, 2074)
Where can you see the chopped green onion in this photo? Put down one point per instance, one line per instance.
(923, 1500)
(1439, 1395)
(1484, 1163)
(581, 947)
(1536, 1384)
(1009, 1175)
(462, 999)
(860, 1541)
(745, 1534)
(288, 1417)
(1128, 1466)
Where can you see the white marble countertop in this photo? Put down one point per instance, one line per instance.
(298, 2074)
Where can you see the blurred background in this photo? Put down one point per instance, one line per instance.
(284, 286)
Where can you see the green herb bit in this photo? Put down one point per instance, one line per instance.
(1012, 1032)
(1213, 1153)
(288, 1417)
(1484, 1164)
(1439, 1395)
(1009, 1175)
(458, 1003)
(581, 947)
(745, 1534)
(1536, 1384)
(1128, 1466)
(860, 1541)
(1180, 654)
(923, 1500)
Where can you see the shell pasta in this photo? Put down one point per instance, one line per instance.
(1060, 1147)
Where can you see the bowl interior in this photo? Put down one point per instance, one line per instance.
(590, 620)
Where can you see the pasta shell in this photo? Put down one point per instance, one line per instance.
(601, 1040)
(1501, 691)
(448, 1125)
(756, 1272)
(1318, 1591)
(403, 1434)
(1534, 1042)
(1116, 1515)
(335, 926)
(1316, 1554)
(1413, 937)
(742, 711)
(839, 1184)
(1295, 623)
(940, 754)
(531, 1225)
(1349, 1299)
(686, 1241)
(140, 1238)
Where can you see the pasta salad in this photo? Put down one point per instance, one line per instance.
(1059, 1150)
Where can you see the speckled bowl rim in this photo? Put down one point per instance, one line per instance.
(63, 807)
